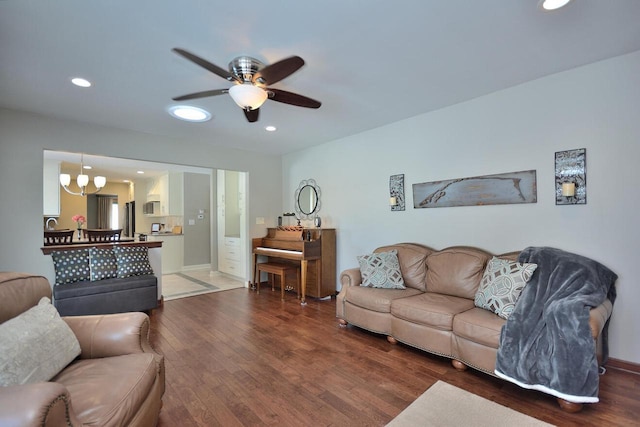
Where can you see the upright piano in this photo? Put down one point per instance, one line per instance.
(313, 249)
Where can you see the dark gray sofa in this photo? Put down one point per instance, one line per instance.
(107, 296)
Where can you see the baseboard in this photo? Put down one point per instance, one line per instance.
(196, 267)
(624, 365)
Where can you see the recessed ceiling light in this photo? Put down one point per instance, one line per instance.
(189, 113)
(140, 172)
(553, 4)
(79, 81)
(87, 167)
(270, 128)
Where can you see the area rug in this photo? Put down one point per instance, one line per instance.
(182, 285)
(445, 405)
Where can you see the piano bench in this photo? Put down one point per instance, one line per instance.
(280, 270)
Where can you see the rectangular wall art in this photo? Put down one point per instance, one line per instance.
(499, 189)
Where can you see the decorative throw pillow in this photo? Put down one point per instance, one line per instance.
(36, 345)
(381, 270)
(132, 261)
(71, 266)
(102, 263)
(501, 285)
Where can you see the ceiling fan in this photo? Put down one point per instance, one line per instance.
(251, 78)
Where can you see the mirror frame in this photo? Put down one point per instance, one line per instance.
(303, 184)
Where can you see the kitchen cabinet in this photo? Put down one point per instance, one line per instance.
(230, 259)
(168, 189)
(231, 223)
(51, 188)
(172, 251)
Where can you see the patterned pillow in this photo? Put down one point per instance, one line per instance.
(36, 345)
(102, 263)
(381, 270)
(132, 261)
(501, 285)
(71, 266)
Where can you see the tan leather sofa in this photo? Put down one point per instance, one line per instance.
(118, 379)
(436, 311)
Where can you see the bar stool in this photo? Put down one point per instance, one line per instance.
(276, 269)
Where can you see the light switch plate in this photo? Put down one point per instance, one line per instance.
(259, 220)
(192, 222)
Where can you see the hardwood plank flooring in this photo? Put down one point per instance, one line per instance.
(236, 358)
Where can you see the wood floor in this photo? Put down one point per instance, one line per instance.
(236, 358)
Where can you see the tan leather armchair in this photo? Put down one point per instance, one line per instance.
(117, 380)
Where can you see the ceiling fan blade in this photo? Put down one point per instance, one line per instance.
(279, 70)
(292, 98)
(203, 94)
(252, 115)
(225, 74)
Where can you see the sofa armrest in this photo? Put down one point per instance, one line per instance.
(598, 317)
(351, 277)
(38, 404)
(111, 334)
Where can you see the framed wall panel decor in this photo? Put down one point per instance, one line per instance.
(571, 177)
(396, 192)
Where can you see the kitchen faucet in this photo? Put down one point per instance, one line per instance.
(48, 221)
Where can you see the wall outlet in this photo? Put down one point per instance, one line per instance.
(259, 220)
(192, 222)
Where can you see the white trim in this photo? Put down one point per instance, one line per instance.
(196, 267)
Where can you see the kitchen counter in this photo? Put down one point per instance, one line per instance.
(172, 250)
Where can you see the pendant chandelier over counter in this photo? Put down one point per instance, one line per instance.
(82, 180)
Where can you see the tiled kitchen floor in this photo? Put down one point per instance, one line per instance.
(196, 282)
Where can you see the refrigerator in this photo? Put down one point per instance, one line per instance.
(129, 219)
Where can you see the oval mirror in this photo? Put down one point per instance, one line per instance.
(307, 199)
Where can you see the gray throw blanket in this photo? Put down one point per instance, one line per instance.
(546, 343)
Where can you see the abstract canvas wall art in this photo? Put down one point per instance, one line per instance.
(498, 189)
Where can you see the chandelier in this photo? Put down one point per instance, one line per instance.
(82, 180)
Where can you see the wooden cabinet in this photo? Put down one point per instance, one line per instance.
(51, 188)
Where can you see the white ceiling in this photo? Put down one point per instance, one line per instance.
(369, 62)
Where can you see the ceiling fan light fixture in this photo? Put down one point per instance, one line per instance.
(248, 96)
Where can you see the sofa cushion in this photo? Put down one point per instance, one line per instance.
(434, 310)
(102, 263)
(111, 285)
(411, 257)
(109, 391)
(501, 285)
(71, 266)
(132, 261)
(36, 345)
(381, 270)
(376, 299)
(480, 326)
(456, 271)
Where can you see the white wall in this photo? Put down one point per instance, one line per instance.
(23, 137)
(596, 107)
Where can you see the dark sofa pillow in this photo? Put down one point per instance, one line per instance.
(102, 263)
(132, 261)
(71, 266)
